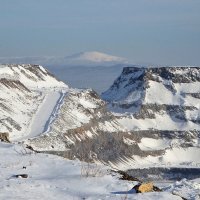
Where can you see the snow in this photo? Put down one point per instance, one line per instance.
(162, 94)
(165, 96)
(52, 177)
(186, 189)
(173, 157)
(181, 155)
(122, 92)
(87, 104)
(20, 110)
(131, 123)
(29, 78)
(44, 116)
(95, 56)
(57, 106)
(75, 109)
(148, 144)
(30, 109)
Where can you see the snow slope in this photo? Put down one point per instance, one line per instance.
(160, 107)
(155, 95)
(52, 177)
(29, 94)
(44, 115)
(32, 76)
(82, 116)
(75, 123)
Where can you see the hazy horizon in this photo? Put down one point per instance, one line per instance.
(158, 32)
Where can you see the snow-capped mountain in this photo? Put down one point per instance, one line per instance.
(79, 70)
(161, 108)
(95, 57)
(48, 116)
(169, 94)
(36, 106)
(92, 58)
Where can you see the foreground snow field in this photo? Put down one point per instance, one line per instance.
(53, 177)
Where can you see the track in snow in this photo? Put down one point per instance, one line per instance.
(45, 115)
(54, 113)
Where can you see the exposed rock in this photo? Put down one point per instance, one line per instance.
(143, 187)
(146, 187)
(127, 177)
(20, 176)
(4, 137)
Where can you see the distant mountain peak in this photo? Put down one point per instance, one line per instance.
(90, 58)
(95, 56)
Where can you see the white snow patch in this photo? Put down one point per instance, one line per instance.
(149, 144)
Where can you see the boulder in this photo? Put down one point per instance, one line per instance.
(4, 137)
(146, 187)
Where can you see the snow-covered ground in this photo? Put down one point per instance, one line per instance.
(52, 177)
(132, 123)
(44, 115)
(172, 158)
(147, 144)
(30, 98)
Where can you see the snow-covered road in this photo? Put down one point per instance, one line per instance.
(44, 116)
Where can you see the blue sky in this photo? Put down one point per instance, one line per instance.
(154, 31)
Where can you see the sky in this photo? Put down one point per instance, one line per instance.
(146, 31)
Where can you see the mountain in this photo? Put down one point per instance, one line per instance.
(79, 70)
(23, 88)
(147, 124)
(96, 57)
(92, 58)
(148, 93)
(161, 107)
(48, 116)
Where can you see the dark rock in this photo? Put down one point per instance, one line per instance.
(20, 176)
(127, 177)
